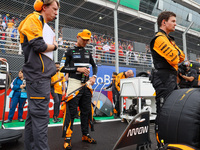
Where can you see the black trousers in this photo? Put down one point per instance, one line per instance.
(117, 104)
(57, 100)
(36, 125)
(83, 100)
(164, 83)
(114, 94)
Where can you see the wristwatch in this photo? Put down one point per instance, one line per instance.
(55, 47)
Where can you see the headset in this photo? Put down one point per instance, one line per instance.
(38, 5)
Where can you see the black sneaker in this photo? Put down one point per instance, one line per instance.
(8, 121)
(88, 139)
(115, 116)
(68, 144)
(21, 120)
(54, 120)
(58, 120)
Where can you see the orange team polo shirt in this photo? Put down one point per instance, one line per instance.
(10, 24)
(58, 85)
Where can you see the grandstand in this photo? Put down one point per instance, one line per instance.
(136, 26)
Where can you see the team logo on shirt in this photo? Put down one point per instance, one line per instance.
(76, 56)
(62, 61)
(64, 58)
(87, 56)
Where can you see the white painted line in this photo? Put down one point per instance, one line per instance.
(60, 124)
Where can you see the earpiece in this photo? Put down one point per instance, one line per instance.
(38, 5)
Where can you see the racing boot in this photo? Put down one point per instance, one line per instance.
(87, 138)
(67, 144)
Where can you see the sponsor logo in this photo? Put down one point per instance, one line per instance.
(137, 131)
(182, 97)
(82, 64)
(76, 56)
(87, 56)
(64, 58)
(146, 82)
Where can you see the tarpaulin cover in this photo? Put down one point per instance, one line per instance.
(8, 135)
(180, 118)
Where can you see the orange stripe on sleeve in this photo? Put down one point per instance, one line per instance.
(168, 51)
(37, 97)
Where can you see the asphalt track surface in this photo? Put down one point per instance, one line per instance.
(106, 134)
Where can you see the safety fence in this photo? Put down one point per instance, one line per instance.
(8, 44)
(74, 16)
(126, 57)
(12, 51)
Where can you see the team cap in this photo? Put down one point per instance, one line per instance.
(85, 34)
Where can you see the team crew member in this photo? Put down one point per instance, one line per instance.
(57, 90)
(38, 70)
(112, 84)
(77, 60)
(166, 56)
(198, 78)
(120, 76)
(187, 79)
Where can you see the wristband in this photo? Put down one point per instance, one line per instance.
(95, 76)
(55, 47)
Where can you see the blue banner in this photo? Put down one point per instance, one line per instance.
(104, 74)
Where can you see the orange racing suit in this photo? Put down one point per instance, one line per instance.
(166, 56)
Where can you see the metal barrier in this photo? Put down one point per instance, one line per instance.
(8, 44)
(13, 52)
(73, 15)
(125, 57)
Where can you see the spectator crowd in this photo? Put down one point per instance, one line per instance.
(104, 49)
(8, 33)
(103, 45)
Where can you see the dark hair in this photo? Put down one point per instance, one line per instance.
(165, 15)
(21, 70)
(57, 63)
(114, 73)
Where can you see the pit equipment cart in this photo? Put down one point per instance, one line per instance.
(139, 94)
